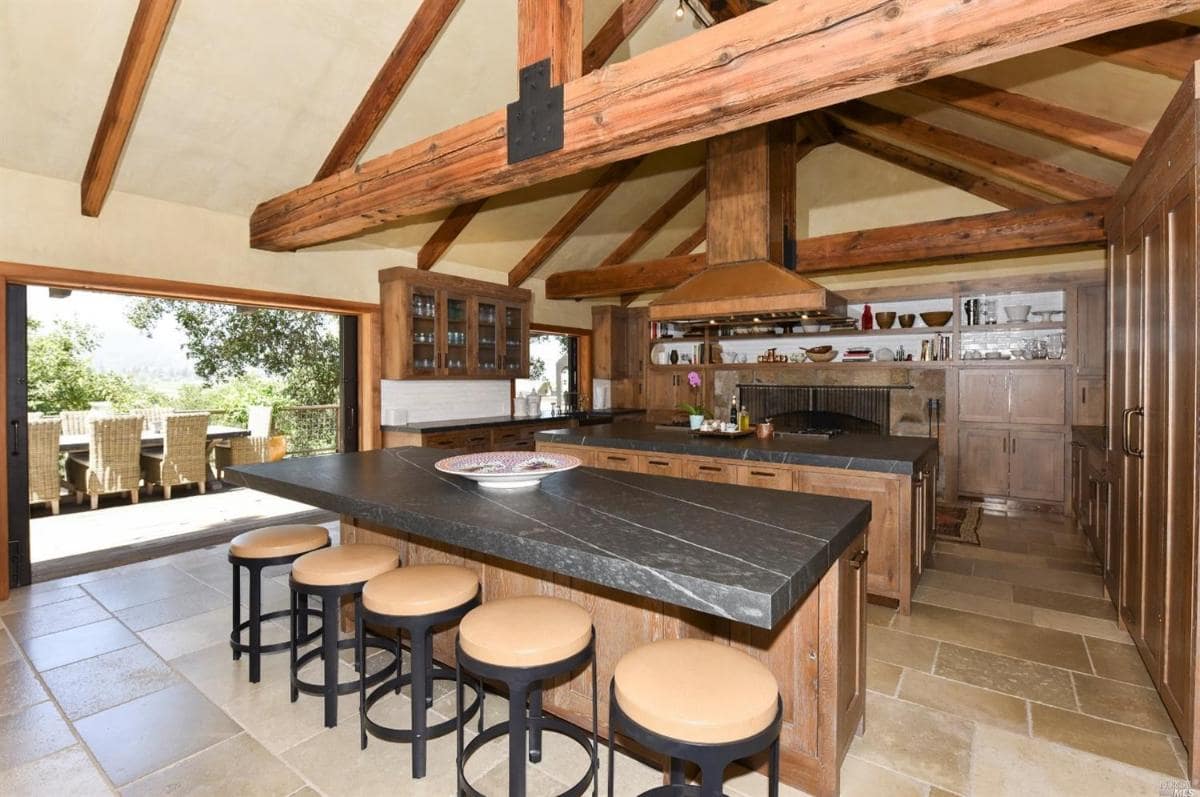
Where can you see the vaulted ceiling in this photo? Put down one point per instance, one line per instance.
(246, 99)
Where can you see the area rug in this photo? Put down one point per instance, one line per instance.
(958, 524)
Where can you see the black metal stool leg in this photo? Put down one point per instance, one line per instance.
(535, 729)
(237, 609)
(303, 617)
(676, 766)
(360, 652)
(420, 683)
(612, 741)
(329, 647)
(295, 693)
(255, 624)
(712, 778)
(400, 659)
(429, 668)
(595, 731)
(773, 771)
(516, 738)
(458, 717)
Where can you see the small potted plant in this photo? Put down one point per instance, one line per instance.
(695, 412)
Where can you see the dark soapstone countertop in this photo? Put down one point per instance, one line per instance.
(742, 553)
(456, 424)
(876, 453)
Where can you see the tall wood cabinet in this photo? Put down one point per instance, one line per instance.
(1152, 413)
(437, 326)
(620, 344)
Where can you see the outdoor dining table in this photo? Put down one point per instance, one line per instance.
(150, 439)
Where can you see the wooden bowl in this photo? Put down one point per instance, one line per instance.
(823, 356)
(885, 320)
(907, 320)
(819, 349)
(937, 319)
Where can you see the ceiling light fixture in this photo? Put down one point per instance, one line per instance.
(679, 11)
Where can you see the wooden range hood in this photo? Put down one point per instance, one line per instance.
(751, 218)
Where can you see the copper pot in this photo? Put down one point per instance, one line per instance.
(765, 430)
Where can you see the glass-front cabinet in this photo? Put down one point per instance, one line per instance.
(439, 326)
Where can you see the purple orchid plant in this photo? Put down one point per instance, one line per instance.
(693, 379)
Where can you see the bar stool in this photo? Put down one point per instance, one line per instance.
(416, 600)
(522, 642)
(332, 573)
(698, 701)
(254, 550)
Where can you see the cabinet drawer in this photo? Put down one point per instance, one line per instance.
(585, 455)
(506, 437)
(710, 471)
(617, 460)
(445, 440)
(769, 476)
(478, 440)
(662, 465)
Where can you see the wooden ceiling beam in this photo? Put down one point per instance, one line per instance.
(725, 10)
(689, 244)
(776, 61)
(623, 21)
(1083, 131)
(981, 187)
(987, 160)
(145, 39)
(816, 127)
(1164, 47)
(401, 64)
(1039, 229)
(693, 188)
(615, 30)
(551, 29)
(578, 213)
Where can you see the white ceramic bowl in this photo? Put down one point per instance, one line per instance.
(507, 470)
(1017, 313)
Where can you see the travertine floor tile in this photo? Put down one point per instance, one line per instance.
(176, 607)
(1059, 580)
(1053, 551)
(895, 647)
(972, 585)
(279, 724)
(19, 687)
(1112, 740)
(143, 586)
(861, 778)
(1008, 764)
(101, 682)
(879, 615)
(214, 672)
(952, 564)
(924, 744)
(23, 598)
(976, 604)
(156, 730)
(52, 617)
(70, 770)
(882, 677)
(75, 644)
(32, 733)
(1012, 676)
(172, 640)
(1076, 624)
(1006, 637)
(1117, 661)
(963, 700)
(8, 648)
(237, 766)
(1122, 702)
(1065, 602)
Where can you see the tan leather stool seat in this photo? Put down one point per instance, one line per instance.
(344, 564)
(696, 691)
(525, 632)
(271, 541)
(419, 590)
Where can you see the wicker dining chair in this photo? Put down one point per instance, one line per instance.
(44, 481)
(75, 421)
(112, 463)
(183, 458)
(240, 451)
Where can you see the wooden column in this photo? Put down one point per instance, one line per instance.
(551, 29)
(751, 198)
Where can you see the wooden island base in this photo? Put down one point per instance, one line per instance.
(817, 652)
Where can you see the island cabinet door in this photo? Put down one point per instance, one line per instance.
(851, 640)
(1037, 465)
(710, 470)
(661, 465)
(773, 478)
(983, 461)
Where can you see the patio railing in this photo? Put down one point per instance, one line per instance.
(310, 429)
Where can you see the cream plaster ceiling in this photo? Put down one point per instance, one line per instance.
(247, 97)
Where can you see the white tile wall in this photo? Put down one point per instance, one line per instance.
(445, 400)
(601, 394)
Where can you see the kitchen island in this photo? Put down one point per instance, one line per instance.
(649, 557)
(897, 475)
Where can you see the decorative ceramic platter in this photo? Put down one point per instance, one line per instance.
(506, 470)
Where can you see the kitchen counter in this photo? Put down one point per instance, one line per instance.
(741, 553)
(459, 424)
(874, 453)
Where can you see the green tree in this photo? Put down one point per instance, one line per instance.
(61, 375)
(225, 343)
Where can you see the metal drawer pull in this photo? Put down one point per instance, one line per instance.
(710, 468)
(763, 473)
(661, 462)
(613, 458)
(859, 558)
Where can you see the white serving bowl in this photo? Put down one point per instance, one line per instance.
(1017, 313)
(507, 470)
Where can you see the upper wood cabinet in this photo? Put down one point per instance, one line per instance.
(620, 342)
(436, 326)
(1012, 395)
(1090, 304)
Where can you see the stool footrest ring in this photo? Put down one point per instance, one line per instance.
(345, 687)
(545, 723)
(405, 734)
(235, 638)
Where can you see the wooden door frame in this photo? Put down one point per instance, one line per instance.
(369, 340)
(583, 356)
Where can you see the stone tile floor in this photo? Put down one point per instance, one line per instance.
(1010, 677)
